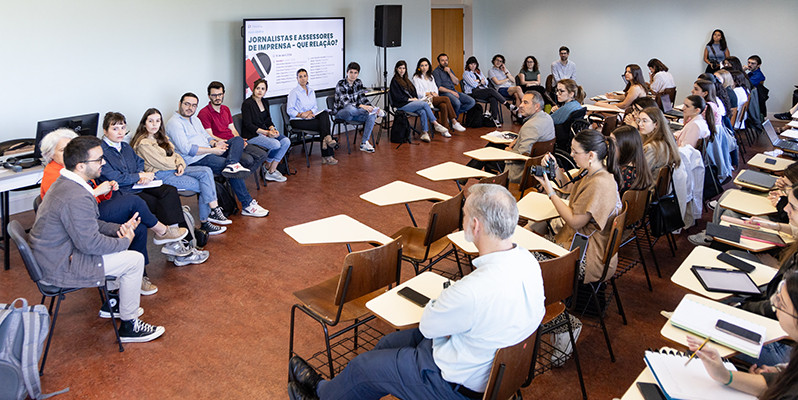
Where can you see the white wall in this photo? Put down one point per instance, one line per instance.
(62, 58)
(604, 36)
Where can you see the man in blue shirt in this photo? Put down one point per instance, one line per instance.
(755, 74)
(446, 81)
(450, 354)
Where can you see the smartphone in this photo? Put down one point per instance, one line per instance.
(650, 391)
(415, 297)
(738, 331)
(579, 241)
(771, 161)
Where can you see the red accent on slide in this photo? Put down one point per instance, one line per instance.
(251, 74)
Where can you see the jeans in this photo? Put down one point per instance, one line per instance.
(421, 108)
(235, 146)
(401, 364)
(277, 147)
(460, 104)
(351, 113)
(771, 354)
(196, 179)
(217, 164)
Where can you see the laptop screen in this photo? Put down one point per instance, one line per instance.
(774, 137)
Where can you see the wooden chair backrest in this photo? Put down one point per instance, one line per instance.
(500, 179)
(615, 241)
(526, 178)
(560, 277)
(541, 148)
(637, 203)
(510, 369)
(369, 270)
(663, 181)
(444, 218)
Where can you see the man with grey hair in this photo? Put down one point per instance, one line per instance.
(538, 127)
(449, 356)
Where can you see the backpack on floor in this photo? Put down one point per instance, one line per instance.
(400, 128)
(473, 117)
(23, 331)
(225, 196)
(199, 238)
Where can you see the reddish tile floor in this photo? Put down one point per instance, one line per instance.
(227, 321)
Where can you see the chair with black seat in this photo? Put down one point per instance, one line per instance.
(560, 281)
(409, 114)
(299, 135)
(596, 288)
(365, 275)
(36, 203)
(509, 370)
(19, 236)
(426, 244)
(339, 123)
(256, 171)
(637, 203)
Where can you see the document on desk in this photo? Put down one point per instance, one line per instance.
(700, 319)
(691, 381)
(503, 134)
(791, 133)
(792, 124)
(154, 184)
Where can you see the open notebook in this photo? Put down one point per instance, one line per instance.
(678, 381)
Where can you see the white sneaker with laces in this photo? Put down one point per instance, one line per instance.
(254, 210)
(367, 147)
(425, 137)
(275, 176)
(439, 128)
(176, 249)
(235, 171)
(196, 257)
(457, 127)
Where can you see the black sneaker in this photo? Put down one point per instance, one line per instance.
(785, 116)
(217, 217)
(138, 331)
(211, 228)
(114, 300)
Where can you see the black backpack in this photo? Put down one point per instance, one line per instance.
(473, 117)
(400, 128)
(226, 198)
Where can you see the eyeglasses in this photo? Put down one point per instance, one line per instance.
(561, 91)
(214, 96)
(776, 302)
(99, 160)
(189, 105)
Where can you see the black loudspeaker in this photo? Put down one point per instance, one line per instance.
(388, 26)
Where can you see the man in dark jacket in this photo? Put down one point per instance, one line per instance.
(76, 249)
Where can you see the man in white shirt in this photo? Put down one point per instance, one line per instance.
(563, 68)
(450, 355)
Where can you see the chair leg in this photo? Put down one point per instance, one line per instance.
(291, 332)
(354, 339)
(618, 300)
(329, 350)
(52, 329)
(107, 302)
(643, 261)
(576, 356)
(305, 150)
(595, 288)
(651, 249)
(457, 259)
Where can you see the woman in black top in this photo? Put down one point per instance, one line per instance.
(404, 97)
(258, 129)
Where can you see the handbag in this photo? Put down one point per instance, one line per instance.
(665, 215)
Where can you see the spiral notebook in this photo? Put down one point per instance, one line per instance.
(692, 382)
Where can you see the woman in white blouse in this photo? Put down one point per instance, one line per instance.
(427, 88)
(695, 126)
(661, 79)
(304, 112)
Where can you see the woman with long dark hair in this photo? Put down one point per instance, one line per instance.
(504, 81)
(593, 201)
(768, 382)
(404, 97)
(716, 51)
(659, 145)
(660, 78)
(695, 125)
(476, 85)
(426, 86)
(636, 87)
(634, 172)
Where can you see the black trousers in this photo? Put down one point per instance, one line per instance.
(164, 202)
(492, 96)
(321, 124)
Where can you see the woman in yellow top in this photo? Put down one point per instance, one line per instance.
(153, 146)
(593, 203)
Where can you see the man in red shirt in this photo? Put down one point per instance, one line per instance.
(218, 121)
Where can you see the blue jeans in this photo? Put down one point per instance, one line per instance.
(217, 164)
(423, 110)
(351, 113)
(771, 354)
(120, 208)
(461, 104)
(196, 179)
(277, 147)
(401, 364)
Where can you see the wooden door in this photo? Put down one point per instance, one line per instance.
(447, 37)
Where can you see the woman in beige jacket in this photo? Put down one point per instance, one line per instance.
(151, 144)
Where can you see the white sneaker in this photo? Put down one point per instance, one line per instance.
(425, 137)
(234, 171)
(176, 249)
(446, 134)
(562, 342)
(147, 288)
(196, 257)
(254, 210)
(456, 126)
(275, 176)
(439, 128)
(367, 147)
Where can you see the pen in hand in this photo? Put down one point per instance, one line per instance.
(697, 350)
